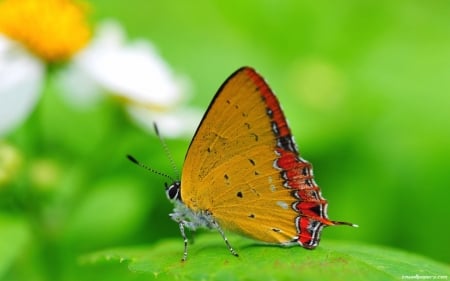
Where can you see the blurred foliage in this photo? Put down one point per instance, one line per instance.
(364, 85)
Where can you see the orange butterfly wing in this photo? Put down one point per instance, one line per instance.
(243, 168)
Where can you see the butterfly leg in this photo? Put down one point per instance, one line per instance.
(219, 229)
(180, 218)
(183, 234)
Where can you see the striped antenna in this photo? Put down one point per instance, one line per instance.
(166, 150)
(132, 159)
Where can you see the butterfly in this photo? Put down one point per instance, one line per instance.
(243, 172)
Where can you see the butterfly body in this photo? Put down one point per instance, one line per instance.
(243, 172)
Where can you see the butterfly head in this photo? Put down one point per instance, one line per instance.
(173, 191)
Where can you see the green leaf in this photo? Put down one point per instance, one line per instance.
(209, 259)
(13, 236)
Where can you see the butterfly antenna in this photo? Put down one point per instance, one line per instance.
(132, 159)
(166, 149)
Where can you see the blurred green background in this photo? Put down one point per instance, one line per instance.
(365, 86)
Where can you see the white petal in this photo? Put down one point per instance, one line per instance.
(134, 71)
(77, 87)
(179, 123)
(21, 81)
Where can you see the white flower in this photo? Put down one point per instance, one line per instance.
(32, 34)
(131, 71)
(21, 81)
(178, 122)
(135, 73)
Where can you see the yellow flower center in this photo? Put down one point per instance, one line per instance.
(52, 29)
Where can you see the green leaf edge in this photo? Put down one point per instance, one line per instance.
(209, 259)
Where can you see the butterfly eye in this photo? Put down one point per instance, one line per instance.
(173, 191)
